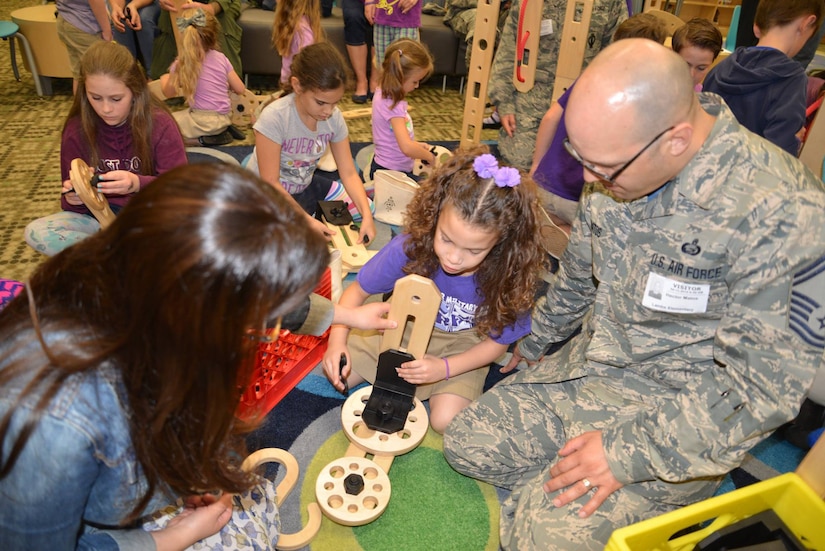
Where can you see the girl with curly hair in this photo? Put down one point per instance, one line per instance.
(473, 229)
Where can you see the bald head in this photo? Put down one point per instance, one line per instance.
(635, 86)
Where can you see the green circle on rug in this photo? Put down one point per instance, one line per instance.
(431, 506)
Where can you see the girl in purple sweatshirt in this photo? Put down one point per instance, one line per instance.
(120, 131)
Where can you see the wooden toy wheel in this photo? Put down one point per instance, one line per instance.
(352, 491)
(379, 443)
(81, 176)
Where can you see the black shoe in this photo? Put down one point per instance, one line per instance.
(360, 99)
(811, 417)
(218, 139)
(493, 121)
(236, 132)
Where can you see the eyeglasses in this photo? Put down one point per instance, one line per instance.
(266, 335)
(612, 177)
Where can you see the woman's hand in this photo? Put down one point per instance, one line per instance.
(429, 369)
(369, 13)
(199, 519)
(118, 182)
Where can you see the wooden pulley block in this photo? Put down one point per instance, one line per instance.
(81, 176)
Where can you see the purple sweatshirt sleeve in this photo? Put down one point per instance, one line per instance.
(169, 151)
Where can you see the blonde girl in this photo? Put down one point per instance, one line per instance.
(203, 75)
(293, 132)
(297, 25)
(406, 64)
(473, 228)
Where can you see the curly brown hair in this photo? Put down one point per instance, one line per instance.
(508, 277)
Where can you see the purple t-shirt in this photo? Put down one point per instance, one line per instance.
(459, 294)
(212, 91)
(390, 15)
(387, 152)
(558, 172)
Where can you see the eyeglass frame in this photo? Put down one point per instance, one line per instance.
(611, 178)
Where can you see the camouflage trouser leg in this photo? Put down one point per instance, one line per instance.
(506, 436)
(510, 437)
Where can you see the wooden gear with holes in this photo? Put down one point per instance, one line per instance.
(354, 490)
(81, 177)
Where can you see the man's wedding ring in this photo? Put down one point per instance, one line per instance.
(586, 483)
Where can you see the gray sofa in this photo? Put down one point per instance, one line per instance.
(258, 57)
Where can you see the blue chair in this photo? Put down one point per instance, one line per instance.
(9, 31)
(730, 40)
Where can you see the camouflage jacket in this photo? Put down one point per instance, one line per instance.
(606, 16)
(740, 226)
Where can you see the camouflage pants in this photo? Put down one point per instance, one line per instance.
(510, 437)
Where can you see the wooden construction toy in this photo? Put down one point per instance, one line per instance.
(298, 540)
(337, 218)
(573, 44)
(527, 45)
(83, 180)
(355, 490)
(478, 73)
(442, 154)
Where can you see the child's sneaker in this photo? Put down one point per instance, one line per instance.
(493, 121)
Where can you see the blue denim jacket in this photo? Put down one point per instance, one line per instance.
(78, 477)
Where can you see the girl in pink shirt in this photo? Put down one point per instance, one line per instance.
(297, 25)
(203, 75)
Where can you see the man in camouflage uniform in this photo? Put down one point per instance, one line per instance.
(693, 241)
(520, 112)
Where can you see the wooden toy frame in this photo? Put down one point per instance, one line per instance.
(81, 176)
(416, 298)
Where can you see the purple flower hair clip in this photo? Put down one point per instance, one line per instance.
(486, 166)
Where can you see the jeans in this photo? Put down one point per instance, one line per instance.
(140, 42)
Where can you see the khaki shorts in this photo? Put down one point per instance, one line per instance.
(76, 41)
(195, 123)
(364, 345)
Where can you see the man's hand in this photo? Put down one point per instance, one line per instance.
(583, 468)
(508, 123)
(516, 359)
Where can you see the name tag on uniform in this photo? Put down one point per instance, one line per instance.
(546, 27)
(669, 295)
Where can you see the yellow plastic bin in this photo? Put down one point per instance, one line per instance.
(802, 511)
